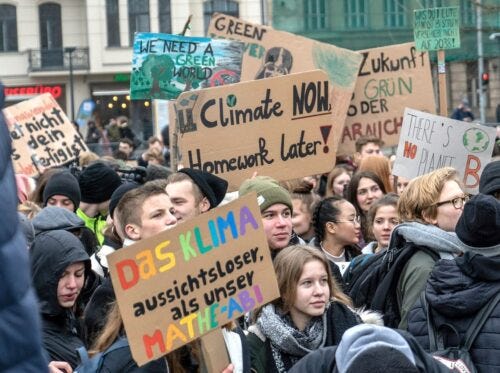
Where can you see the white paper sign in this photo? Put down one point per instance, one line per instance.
(429, 142)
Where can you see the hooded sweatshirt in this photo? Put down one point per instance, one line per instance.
(52, 217)
(51, 253)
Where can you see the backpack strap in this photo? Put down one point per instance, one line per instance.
(431, 330)
(479, 321)
(83, 354)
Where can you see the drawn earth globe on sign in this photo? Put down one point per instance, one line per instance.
(476, 140)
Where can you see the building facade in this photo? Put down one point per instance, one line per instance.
(362, 24)
(81, 51)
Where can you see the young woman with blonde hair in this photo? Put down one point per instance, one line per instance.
(311, 313)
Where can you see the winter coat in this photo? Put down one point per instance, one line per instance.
(51, 253)
(20, 339)
(338, 319)
(456, 291)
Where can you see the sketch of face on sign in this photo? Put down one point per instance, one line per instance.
(277, 61)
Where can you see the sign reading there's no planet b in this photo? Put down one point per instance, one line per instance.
(429, 142)
(164, 66)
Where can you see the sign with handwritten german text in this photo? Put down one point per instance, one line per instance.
(390, 78)
(180, 284)
(280, 127)
(42, 135)
(437, 28)
(164, 65)
(270, 53)
(429, 142)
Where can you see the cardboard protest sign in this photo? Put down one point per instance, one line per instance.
(437, 28)
(164, 66)
(390, 78)
(281, 127)
(429, 142)
(270, 53)
(42, 135)
(177, 286)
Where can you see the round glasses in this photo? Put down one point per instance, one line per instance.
(457, 202)
(354, 220)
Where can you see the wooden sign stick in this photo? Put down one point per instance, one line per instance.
(186, 25)
(443, 99)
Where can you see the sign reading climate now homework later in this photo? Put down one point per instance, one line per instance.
(182, 283)
(437, 29)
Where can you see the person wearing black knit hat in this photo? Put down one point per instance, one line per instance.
(193, 192)
(489, 183)
(97, 184)
(458, 289)
(62, 190)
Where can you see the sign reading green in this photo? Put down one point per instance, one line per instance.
(437, 29)
(164, 66)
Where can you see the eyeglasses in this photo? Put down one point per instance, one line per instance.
(458, 202)
(354, 220)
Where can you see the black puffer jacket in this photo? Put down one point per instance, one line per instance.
(456, 290)
(52, 252)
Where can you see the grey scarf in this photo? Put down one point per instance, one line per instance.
(286, 340)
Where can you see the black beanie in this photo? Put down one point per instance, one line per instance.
(98, 182)
(479, 225)
(489, 182)
(64, 184)
(212, 187)
(118, 194)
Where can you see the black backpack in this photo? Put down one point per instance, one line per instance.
(371, 280)
(456, 358)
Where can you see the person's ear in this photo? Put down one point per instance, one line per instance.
(330, 227)
(428, 219)
(133, 232)
(204, 205)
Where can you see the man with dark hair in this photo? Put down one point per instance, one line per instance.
(194, 192)
(127, 146)
(366, 146)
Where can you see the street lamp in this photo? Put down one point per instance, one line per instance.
(70, 51)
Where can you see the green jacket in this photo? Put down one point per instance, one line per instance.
(95, 224)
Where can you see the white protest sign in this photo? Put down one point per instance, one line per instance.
(429, 142)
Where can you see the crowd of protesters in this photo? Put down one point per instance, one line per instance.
(317, 228)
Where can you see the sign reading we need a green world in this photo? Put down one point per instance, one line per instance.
(437, 29)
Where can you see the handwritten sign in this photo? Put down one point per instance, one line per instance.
(437, 29)
(177, 286)
(281, 127)
(42, 135)
(166, 65)
(390, 78)
(270, 53)
(429, 142)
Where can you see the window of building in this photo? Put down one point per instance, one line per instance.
(315, 14)
(394, 13)
(164, 15)
(356, 13)
(138, 17)
(51, 35)
(8, 28)
(433, 3)
(468, 11)
(219, 6)
(113, 23)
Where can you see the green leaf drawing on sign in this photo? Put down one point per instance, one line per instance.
(342, 68)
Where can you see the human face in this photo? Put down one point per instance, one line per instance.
(184, 202)
(371, 149)
(156, 216)
(367, 193)
(70, 284)
(447, 215)
(126, 148)
(312, 294)
(301, 218)
(340, 182)
(401, 184)
(346, 226)
(384, 221)
(61, 201)
(277, 222)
